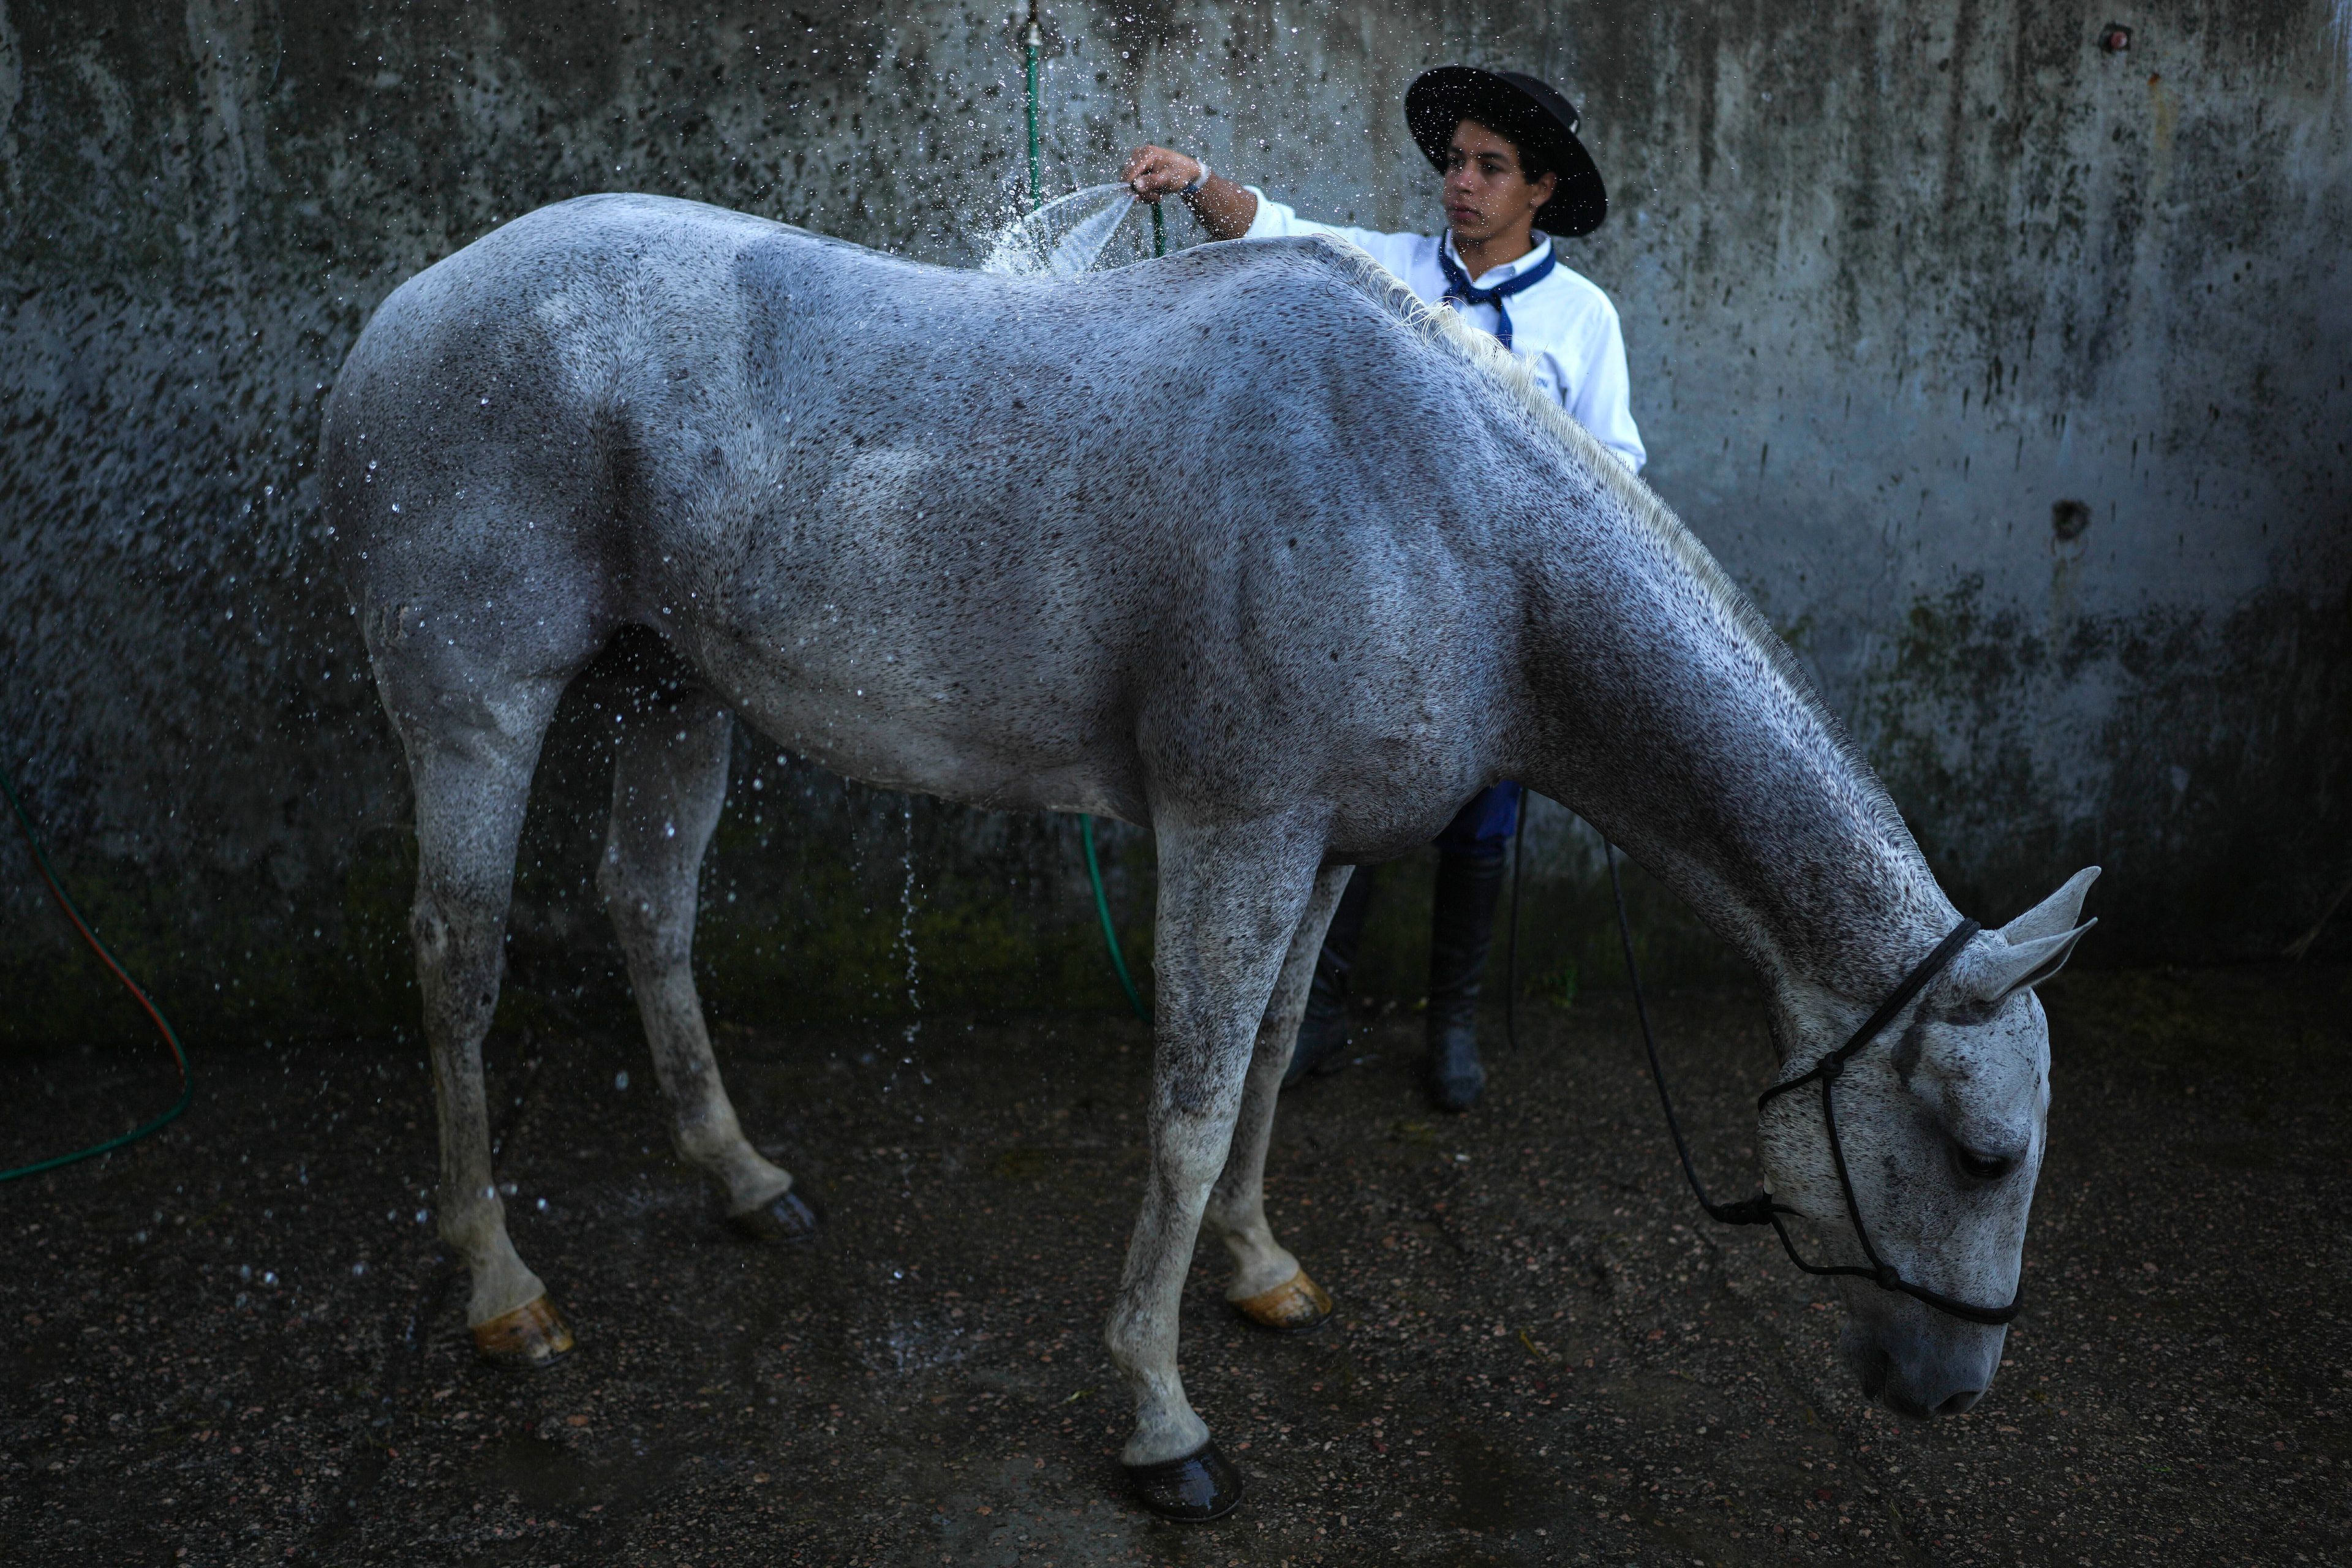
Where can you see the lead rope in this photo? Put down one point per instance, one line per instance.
(1763, 1209)
(1756, 1210)
(1511, 948)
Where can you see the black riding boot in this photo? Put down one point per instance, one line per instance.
(1323, 1033)
(1462, 931)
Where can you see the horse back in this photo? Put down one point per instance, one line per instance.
(1168, 531)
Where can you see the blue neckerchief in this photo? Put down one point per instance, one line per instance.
(1458, 291)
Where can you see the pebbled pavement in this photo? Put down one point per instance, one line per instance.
(238, 1343)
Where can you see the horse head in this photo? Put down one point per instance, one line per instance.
(1941, 1123)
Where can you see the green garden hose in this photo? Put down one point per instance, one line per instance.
(1029, 48)
(57, 891)
(1087, 824)
(1110, 932)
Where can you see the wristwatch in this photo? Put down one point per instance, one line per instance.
(1198, 180)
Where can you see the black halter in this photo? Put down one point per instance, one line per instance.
(1763, 1208)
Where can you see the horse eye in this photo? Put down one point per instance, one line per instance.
(1983, 1167)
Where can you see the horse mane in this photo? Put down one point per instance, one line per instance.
(1447, 332)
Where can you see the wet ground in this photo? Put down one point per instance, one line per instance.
(241, 1342)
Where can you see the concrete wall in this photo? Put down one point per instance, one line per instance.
(1896, 281)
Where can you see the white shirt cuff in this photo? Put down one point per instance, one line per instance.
(1270, 221)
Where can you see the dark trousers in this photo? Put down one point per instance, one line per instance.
(1482, 828)
(1470, 868)
(1480, 831)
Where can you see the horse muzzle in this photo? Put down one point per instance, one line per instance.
(1917, 1362)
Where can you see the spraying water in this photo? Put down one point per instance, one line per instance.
(906, 927)
(908, 1056)
(1062, 238)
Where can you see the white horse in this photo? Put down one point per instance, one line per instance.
(1245, 547)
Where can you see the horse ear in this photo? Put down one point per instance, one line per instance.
(2055, 914)
(2000, 973)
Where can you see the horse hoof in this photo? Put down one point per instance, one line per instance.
(1199, 1486)
(1292, 1307)
(533, 1335)
(786, 1217)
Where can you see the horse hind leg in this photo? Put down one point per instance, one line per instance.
(470, 760)
(1268, 1286)
(669, 787)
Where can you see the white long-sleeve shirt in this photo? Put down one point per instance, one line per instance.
(1563, 329)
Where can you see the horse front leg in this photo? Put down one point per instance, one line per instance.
(1231, 896)
(1268, 1286)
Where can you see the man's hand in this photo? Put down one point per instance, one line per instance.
(1156, 171)
(1223, 208)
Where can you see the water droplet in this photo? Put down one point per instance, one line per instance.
(620, 1080)
(358, 1270)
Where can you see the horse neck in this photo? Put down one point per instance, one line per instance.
(1664, 717)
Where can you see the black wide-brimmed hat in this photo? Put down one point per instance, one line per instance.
(1530, 113)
